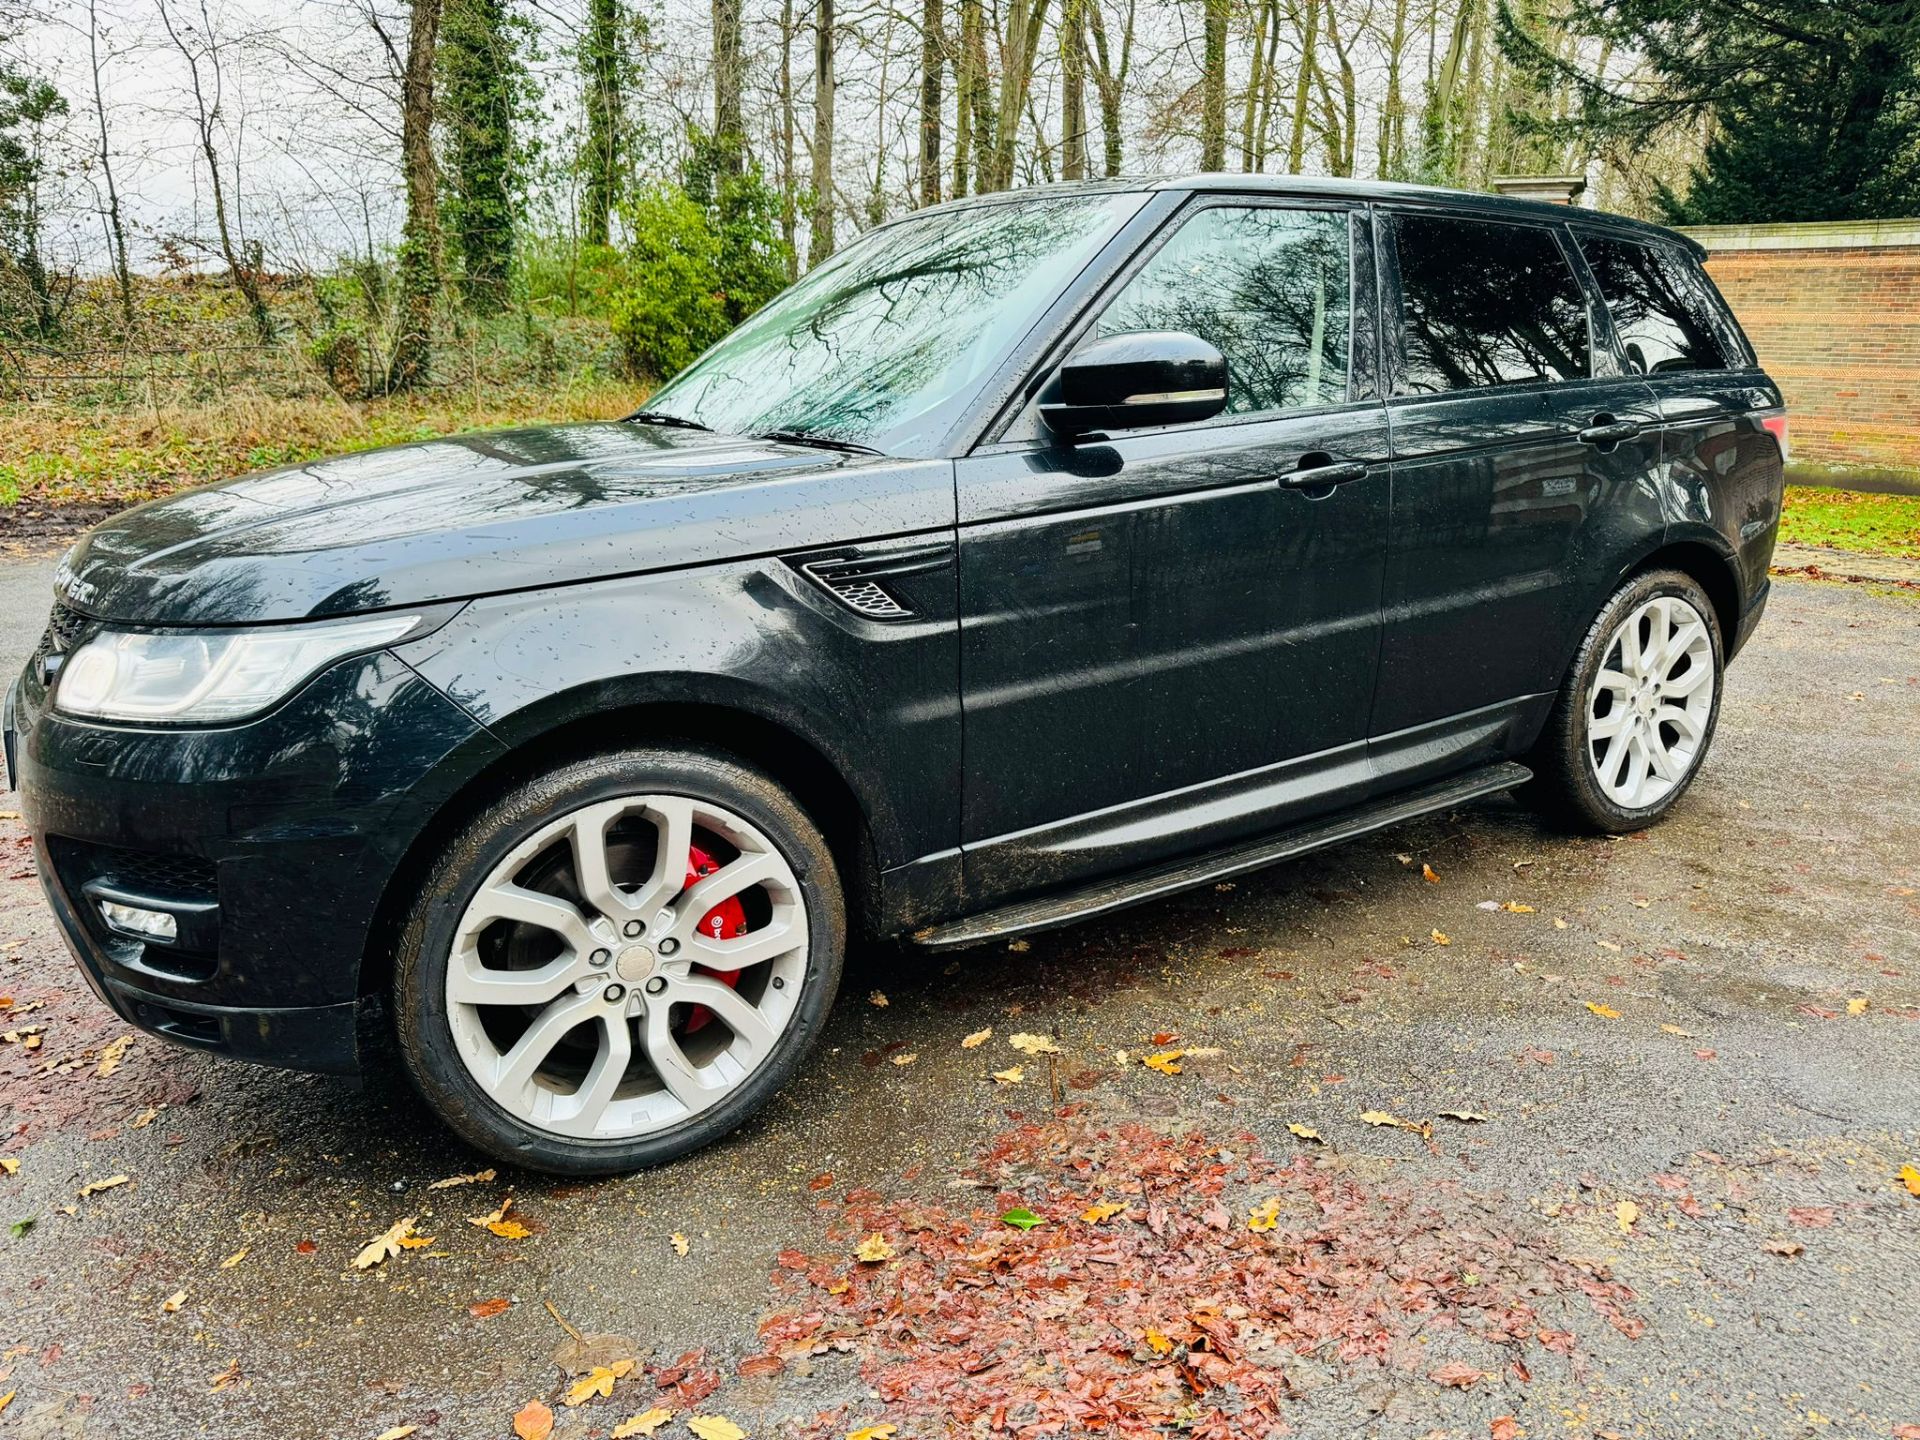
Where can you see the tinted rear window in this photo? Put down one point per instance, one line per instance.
(1666, 316)
(1486, 304)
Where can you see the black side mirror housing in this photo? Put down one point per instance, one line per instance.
(1147, 377)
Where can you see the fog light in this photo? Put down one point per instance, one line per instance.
(147, 924)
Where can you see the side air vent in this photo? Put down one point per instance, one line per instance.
(859, 581)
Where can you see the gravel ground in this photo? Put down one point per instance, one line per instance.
(1697, 1056)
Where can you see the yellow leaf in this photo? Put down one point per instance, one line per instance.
(1033, 1044)
(874, 1432)
(1605, 1012)
(1264, 1216)
(235, 1258)
(145, 1118)
(1012, 1075)
(597, 1381)
(906, 1059)
(111, 1057)
(1158, 1343)
(416, 1242)
(645, 1423)
(715, 1427)
(171, 1305)
(382, 1247)
(1857, 1005)
(533, 1422)
(398, 1432)
(1426, 874)
(679, 1243)
(1306, 1132)
(9, 1164)
(1910, 1177)
(493, 1217)
(94, 1187)
(1440, 937)
(509, 1229)
(1514, 907)
(873, 1249)
(7, 1399)
(478, 1177)
(1167, 1062)
(1380, 1117)
(977, 1039)
(1676, 1030)
(1559, 924)
(878, 999)
(839, 1287)
(1105, 1210)
(1626, 1213)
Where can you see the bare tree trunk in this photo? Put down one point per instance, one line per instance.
(602, 70)
(1468, 135)
(1439, 126)
(985, 121)
(1111, 81)
(1303, 86)
(1017, 55)
(789, 183)
(419, 283)
(964, 80)
(932, 60)
(116, 225)
(206, 116)
(729, 126)
(1213, 87)
(1269, 88)
(1393, 114)
(1073, 90)
(820, 243)
(1343, 130)
(1250, 107)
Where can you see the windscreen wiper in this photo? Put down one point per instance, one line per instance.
(660, 417)
(825, 442)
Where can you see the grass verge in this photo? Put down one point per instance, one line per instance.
(1851, 520)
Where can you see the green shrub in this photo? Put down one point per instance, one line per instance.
(671, 305)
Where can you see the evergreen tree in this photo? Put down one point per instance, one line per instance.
(483, 84)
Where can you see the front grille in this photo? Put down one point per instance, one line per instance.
(162, 874)
(66, 627)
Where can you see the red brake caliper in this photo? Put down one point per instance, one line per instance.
(723, 922)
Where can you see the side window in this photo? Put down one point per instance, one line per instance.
(1661, 309)
(1268, 287)
(1486, 304)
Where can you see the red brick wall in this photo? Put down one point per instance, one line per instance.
(1839, 328)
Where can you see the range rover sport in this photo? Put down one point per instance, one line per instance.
(1039, 554)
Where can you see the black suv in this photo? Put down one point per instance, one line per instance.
(1037, 555)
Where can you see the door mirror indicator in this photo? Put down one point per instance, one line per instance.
(1148, 377)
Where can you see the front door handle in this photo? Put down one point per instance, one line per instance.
(1319, 472)
(1608, 431)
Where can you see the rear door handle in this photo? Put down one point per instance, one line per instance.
(1609, 432)
(1324, 473)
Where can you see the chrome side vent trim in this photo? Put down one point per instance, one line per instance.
(857, 580)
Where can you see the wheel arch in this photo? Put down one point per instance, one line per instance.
(1712, 567)
(776, 748)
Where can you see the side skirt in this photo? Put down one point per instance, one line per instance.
(1084, 903)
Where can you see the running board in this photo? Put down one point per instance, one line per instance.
(1072, 906)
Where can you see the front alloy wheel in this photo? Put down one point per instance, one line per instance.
(645, 945)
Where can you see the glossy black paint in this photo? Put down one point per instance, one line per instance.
(1156, 377)
(1115, 654)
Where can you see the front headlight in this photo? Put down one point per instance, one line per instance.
(204, 676)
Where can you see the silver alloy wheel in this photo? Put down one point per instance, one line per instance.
(1648, 710)
(589, 1037)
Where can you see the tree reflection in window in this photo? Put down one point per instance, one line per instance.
(1659, 307)
(1486, 304)
(1267, 287)
(884, 344)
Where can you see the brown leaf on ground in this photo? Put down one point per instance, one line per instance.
(478, 1177)
(487, 1309)
(1812, 1217)
(1428, 874)
(1458, 1374)
(94, 1187)
(111, 1057)
(533, 1421)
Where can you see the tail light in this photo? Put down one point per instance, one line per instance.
(1776, 426)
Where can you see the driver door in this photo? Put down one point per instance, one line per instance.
(1164, 647)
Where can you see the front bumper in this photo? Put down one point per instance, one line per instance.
(271, 844)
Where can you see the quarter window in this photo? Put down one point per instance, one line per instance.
(1486, 304)
(1662, 311)
(1267, 287)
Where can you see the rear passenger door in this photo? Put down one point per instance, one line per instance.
(1511, 449)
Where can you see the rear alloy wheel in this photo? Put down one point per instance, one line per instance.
(626, 974)
(1636, 714)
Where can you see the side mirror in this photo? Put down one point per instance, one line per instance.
(1150, 377)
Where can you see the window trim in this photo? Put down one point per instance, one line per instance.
(1363, 330)
(1393, 298)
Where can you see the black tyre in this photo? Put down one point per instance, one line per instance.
(619, 961)
(1636, 714)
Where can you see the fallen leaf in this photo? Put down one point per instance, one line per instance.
(1427, 874)
(874, 1432)
(1035, 1045)
(94, 1187)
(1021, 1218)
(1857, 1005)
(9, 1164)
(171, 1305)
(398, 1432)
(1264, 1216)
(111, 1057)
(1625, 1214)
(21, 1227)
(1440, 937)
(873, 1250)
(383, 1247)
(508, 1230)
(1789, 1248)
(1167, 1062)
(146, 1118)
(906, 1059)
(1012, 1075)
(227, 1377)
(1504, 1427)
(1382, 1117)
(1559, 924)
(416, 1242)
(679, 1243)
(1514, 907)
(645, 1423)
(1305, 1132)
(1910, 1177)
(597, 1381)
(1811, 1217)
(1464, 1117)
(715, 1427)
(533, 1422)
(478, 1177)
(7, 1399)
(1676, 1030)
(878, 999)
(487, 1309)
(1605, 1012)
(1105, 1210)
(1458, 1374)
(579, 1354)
(1158, 1343)
(977, 1039)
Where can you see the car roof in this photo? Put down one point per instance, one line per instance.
(1335, 188)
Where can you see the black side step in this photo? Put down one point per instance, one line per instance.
(1071, 906)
